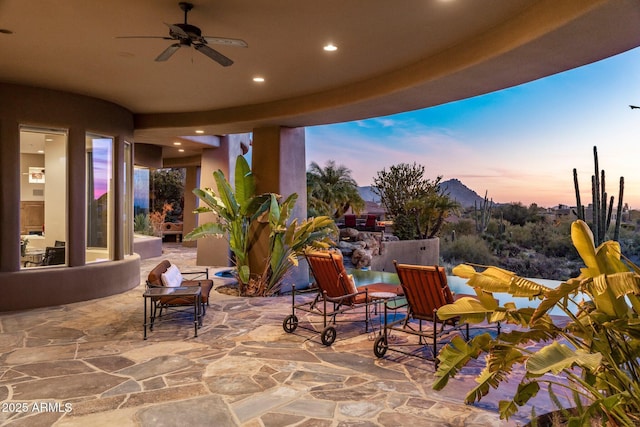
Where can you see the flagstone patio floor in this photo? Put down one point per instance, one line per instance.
(86, 364)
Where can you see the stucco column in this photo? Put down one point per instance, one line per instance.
(76, 197)
(9, 209)
(189, 219)
(279, 164)
(213, 251)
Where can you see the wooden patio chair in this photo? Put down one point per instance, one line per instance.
(350, 221)
(190, 278)
(426, 290)
(371, 224)
(336, 293)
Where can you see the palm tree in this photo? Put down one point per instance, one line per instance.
(332, 190)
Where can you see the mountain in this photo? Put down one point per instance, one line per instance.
(461, 193)
(368, 195)
(456, 190)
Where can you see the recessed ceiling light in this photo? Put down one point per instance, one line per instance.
(199, 131)
(258, 79)
(181, 150)
(41, 151)
(48, 139)
(330, 47)
(177, 143)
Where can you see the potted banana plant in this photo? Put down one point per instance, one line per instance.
(244, 215)
(592, 352)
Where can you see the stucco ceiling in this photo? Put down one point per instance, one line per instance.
(392, 56)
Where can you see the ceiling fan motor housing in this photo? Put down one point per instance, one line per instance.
(192, 31)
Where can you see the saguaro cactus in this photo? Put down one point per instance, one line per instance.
(483, 216)
(601, 218)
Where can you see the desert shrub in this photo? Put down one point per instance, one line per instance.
(462, 227)
(142, 224)
(519, 235)
(469, 249)
(533, 265)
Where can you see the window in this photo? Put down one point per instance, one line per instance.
(141, 221)
(99, 197)
(43, 197)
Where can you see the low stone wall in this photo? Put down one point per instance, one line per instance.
(419, 252)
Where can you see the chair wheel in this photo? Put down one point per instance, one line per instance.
(380, 346)
(290, 323)
(328, 336)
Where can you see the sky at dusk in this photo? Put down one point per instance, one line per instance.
(519, 144)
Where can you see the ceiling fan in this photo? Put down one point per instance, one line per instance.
(188, 35)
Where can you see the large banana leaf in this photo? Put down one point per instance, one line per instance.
(291, 231)
(207, 229)
(499, 364)
(469, 310)
(255, 207)
(274, 214)
(244, 181)
(582, 239)
(557, 357)
(553, 298)
(226, 194)
(210, 199)
(526, 390)
(620, 284)
(455, 355)
(521, 287)
(494, 279)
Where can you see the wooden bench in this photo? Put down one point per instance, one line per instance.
(172, 228)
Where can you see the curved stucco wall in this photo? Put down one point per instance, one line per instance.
(44, 287)
(77, 281)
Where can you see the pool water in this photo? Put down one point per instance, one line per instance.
(226, 274)
(457, 284)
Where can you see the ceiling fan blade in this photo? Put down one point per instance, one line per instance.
(214, 54)
(226, 41)
(166, 54)
(144, 37)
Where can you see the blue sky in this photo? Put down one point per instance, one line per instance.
(519, 144)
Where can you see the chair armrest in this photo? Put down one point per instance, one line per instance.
(151, 285)
(391, 303)
(195, 275)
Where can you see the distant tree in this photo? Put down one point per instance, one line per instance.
(167, 187)
(417, 205)
(331, 190)
(515, 213)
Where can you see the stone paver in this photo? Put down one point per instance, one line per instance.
(89, 363)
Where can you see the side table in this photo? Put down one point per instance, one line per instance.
(377, 299)
(153, 294)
